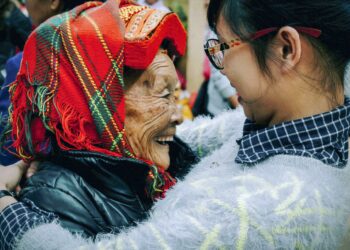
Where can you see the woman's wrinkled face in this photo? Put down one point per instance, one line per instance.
(151, 111)
(244, 74)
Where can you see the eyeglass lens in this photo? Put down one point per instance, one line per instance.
(217, 55)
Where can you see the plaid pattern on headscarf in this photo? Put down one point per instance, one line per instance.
(70, 84)
(69, 91)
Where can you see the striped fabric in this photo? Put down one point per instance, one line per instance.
(72, 72)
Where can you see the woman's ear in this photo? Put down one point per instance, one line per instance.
(289, 47)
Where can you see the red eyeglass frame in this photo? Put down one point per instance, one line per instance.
(316, 33)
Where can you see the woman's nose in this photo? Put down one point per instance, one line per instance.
(176, 117)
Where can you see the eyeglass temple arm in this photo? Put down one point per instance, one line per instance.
(310, 31)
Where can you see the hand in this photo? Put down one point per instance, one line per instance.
(32, 169)
(10, 176)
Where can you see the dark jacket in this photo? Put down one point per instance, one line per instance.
(92, 193)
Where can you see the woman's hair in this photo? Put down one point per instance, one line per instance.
(332, 17)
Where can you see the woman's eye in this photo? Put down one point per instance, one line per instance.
(166, 94)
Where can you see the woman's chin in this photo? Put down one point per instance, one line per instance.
(160, 155)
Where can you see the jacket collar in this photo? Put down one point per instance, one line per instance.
(103, 171)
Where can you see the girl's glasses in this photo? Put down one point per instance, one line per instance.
(215, 50)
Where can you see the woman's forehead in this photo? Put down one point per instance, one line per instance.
(162, 65)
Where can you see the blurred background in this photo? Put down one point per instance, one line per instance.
(193, 15)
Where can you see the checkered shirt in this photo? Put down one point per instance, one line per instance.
(323, 137)
(18, 218)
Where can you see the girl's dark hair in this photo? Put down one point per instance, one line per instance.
(332, 17)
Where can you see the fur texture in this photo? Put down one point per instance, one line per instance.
(285, 202)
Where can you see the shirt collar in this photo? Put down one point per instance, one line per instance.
(323, 137)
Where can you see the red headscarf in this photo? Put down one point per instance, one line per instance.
(69, 91)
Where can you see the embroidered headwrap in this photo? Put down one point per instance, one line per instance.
(69, 91)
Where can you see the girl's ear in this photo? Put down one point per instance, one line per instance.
(289, 48)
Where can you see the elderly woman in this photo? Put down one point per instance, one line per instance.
(284, 182)
(100, 119)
